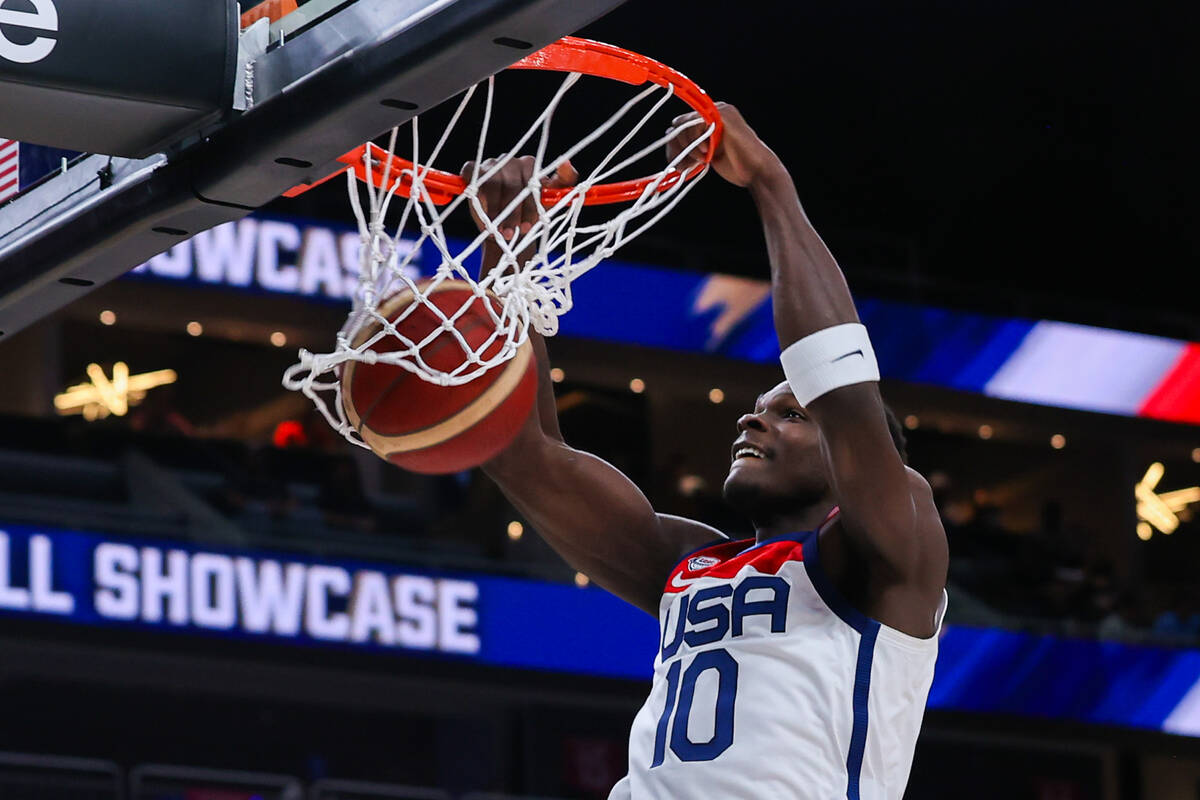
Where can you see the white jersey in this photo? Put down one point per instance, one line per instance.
(769, 685)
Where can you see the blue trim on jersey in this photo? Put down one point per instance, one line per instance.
(862, 690)
(787, 537)
(833, 598)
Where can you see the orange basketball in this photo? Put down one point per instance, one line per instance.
(433, 429)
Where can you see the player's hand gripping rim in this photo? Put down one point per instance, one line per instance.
(741, 157)
(508, 182)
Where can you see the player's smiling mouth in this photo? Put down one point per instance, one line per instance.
(745, 450)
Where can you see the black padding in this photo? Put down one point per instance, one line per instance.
(121, 78)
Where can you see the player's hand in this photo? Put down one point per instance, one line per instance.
(741, 157)
(499, 190)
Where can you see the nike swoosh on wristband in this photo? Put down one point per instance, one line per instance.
(842, 358)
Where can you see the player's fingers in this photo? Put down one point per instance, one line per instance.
(679, 143)
(467, 173)
(490, 190)
(564, 177)
(529, 208)
(510, 186)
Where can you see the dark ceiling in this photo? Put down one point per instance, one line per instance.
(1017, 157)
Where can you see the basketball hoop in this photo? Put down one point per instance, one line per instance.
(531, 283)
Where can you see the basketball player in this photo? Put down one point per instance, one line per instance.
(795, 664)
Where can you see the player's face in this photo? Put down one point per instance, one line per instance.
(777, 463)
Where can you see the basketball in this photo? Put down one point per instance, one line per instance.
(427, 428)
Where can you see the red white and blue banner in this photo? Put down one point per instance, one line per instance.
(1042, 362)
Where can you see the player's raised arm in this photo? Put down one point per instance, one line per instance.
(887, 510)
(586, 509)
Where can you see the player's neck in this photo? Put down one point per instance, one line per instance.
(808, 518)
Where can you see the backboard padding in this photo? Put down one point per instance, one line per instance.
(315, 97)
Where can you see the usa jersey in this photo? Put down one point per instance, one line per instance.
(768, 684)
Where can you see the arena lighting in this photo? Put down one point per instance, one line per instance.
(108, 317)
(985, 431)
(912, 422)
(1058, 441)
(515, 530)
(690, 485)
(637, 386)
(716, 396)
(279, 338)
(1196, 455)
(557, 375)
(581, 580)
(194, 328)
(104, 396)
(1161, 510)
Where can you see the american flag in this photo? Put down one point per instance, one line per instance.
(10, 168)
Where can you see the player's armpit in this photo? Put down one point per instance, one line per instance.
(596, 518)
(887, 509)
(587, 510)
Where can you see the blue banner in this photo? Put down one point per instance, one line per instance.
(1111, 683)
(96, 580)
(90, 579)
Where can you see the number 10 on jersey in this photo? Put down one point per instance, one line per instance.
(680, 696)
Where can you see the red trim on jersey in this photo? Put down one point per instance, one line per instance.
(731, 557)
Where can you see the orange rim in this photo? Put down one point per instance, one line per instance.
(569, 54)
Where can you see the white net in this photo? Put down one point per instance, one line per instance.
(530, 285)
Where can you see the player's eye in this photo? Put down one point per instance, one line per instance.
(792, 413)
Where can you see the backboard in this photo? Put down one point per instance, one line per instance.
(335, 73)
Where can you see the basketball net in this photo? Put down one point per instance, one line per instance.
(531, 283)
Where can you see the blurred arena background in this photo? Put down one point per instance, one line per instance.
(1009, 188)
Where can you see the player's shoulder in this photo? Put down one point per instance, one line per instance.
(933, 547)
(930, 519)
(918, 484)
(686, 536)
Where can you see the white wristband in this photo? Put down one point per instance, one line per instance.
(829, 359)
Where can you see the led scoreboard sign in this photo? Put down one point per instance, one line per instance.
(1043, 362)
(97, 580)
(92, 579)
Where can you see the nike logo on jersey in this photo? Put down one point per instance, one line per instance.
(681, 583)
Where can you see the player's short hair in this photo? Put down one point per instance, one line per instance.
(897, 432)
